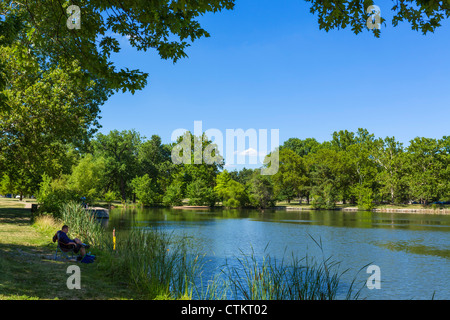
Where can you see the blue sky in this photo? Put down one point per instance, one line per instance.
(268, 66)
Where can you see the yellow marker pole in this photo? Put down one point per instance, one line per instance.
(114, 238)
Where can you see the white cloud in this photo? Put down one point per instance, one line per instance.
(251, 152)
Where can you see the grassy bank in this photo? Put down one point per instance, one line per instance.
(28, 270)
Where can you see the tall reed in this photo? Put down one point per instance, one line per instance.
(268, 278)
(82, 224)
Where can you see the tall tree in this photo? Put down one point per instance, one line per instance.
(100, 25)
(426, 166)
(120, 151)
(155, 160)
(231, 192)
(291, 179)
(44, 113)
(389, 156)
(301, 147)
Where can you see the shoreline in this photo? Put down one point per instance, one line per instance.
(441, 211)
(392, 210)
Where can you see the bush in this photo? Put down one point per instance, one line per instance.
(200, 194)
(365, 199)
(261, 194)
(325, 197)
(146, 191)
(174, 194)
(53, 194)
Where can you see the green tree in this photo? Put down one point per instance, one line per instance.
(342, 140)
(200, 193)
(301, 147)
(145, 191)
(195, 173)
(45, 114)
(389, 155)
(260, 191)
(109, 197)
(232, 193)
(87, 177)
(167, 26)
(331, 174)
(242, 176)
(154, 159)
(174, 194)
(291, 179)
(365, 198)
(120, 152)
(426, 166)
(53, 194)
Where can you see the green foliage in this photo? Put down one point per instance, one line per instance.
(427, 161)
(200, 194)
(174, 194)
(353, 167)
(365, 198)
(424, 16)
(109, 197)
(43, 115)
(301, 147)
(331, 175)
(292, 178)
(53, 195)
(144, 188)
(87, 177)
(261, 193)
(119, 151)
(325, 197)
(232, 193)
(104, 25)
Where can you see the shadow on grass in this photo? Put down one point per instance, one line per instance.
(28, 271)
(17, 216)
(31, 273)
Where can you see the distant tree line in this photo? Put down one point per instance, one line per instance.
(352, 167)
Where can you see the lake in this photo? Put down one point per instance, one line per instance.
(411, 250)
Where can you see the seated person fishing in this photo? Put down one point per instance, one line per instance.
(66, 243)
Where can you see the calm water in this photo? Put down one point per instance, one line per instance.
(412, 250)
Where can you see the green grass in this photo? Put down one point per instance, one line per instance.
(27, 270)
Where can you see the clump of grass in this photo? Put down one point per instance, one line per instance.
(83, 225)
(157, 263)
(272, 279)
(47, 224)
